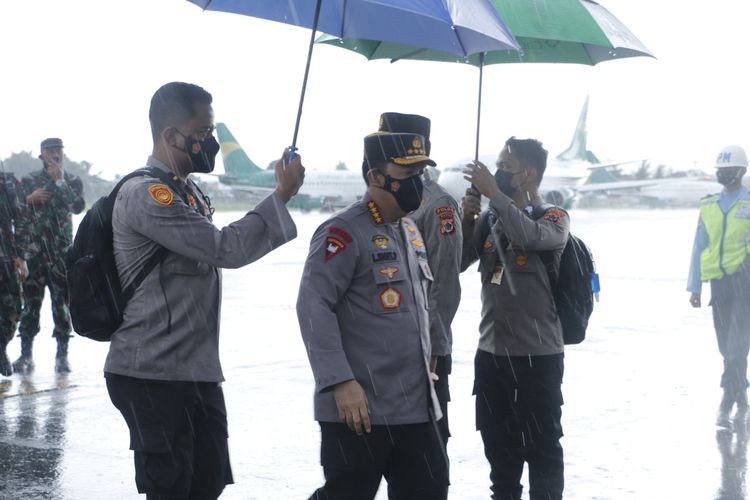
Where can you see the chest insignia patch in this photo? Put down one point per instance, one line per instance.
(380, 241)
(521, 260)
(388, 271)
(161, 194)
(390, 298)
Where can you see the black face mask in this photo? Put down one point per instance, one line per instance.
(503, 179)
(726, 176)
(202, 154)
(408, 192)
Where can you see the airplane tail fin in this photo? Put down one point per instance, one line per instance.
(236, 161)
(577, 149)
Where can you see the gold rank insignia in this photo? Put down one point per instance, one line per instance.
(521, 260)
(417, 243)
(416, 143)
(161, 194)
(375, 213)
(390, 298)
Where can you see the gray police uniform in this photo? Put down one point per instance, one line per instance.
(170, 328)
(519, 363)
(163, 371)
(440, 225)
(362, 311)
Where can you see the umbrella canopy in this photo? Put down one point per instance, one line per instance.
(549, 31)
(458, 27)
(563, 31)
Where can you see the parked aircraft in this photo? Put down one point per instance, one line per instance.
(325, 190)
(563, 178)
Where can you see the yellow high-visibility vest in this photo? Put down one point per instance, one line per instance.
(728, 237)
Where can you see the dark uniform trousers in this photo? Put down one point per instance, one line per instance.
(50, 274)
(178, 434)
(730, 297)
(410, 457)
(518, 411)
(10, 302)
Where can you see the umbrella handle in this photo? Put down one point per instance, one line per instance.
(293, 147)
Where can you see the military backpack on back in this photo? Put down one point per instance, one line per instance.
(572, 284)
(97, 300)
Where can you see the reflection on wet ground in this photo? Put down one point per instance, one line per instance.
(733, 450)
(32, 438)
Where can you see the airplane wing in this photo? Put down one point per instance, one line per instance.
(258, 191)
(623, 185)
(600, 166)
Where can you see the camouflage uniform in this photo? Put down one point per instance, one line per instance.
(46, 234)
(10, 291)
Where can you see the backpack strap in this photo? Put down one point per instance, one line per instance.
(162, 252)
(548, 257)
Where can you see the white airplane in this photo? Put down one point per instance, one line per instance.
(563, 179)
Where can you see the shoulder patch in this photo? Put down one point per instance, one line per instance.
(554, 215)
(447, 221)
(161, 194)
(341, 233)
(334, 246)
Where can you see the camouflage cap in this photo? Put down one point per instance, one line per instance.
(52, 142)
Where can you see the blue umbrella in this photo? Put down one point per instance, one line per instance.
(459, 27)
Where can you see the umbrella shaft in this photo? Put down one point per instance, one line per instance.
(307, 72)
(479, 105)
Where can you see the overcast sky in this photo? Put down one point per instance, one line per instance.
(85, 70)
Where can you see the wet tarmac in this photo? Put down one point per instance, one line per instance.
(641, 392)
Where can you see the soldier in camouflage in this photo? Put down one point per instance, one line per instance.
(12, 266)
(50, 197)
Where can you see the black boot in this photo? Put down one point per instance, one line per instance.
(24, 364)
(61, 358)
(725, 408)
(6, 369)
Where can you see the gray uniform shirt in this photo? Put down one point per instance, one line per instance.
(439, 223)
(362, 312)
(519, 317)
(170, 329)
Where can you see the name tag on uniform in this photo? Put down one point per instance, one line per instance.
(497, 276)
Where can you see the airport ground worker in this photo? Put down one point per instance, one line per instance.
(13, 269)
(720, 253)
(362, 310)
(439, 223)
(519, 362)
(50, 197)
(163, 371)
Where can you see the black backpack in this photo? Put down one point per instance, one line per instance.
(571, 284)
(97, 300)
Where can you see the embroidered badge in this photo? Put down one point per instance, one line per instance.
(390, 298)
(521, 260)
(375, 213)
(334, 246)
(410, 228)
(388, 271)
(191, 200)
(554, 215)
(161, 194)
(381, 241)
(341, 233)
(447, 221)
(395, 186)
(417, 243)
